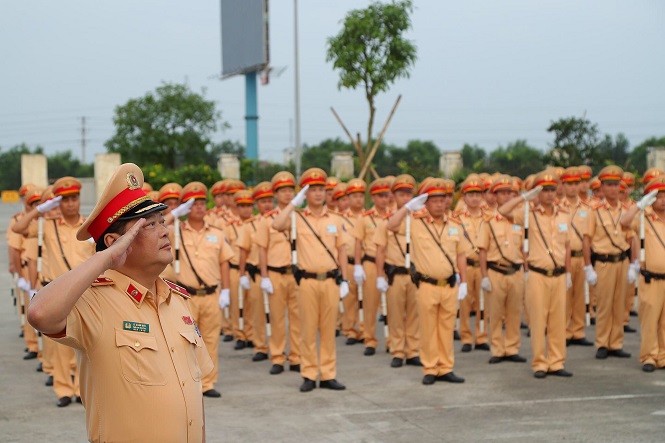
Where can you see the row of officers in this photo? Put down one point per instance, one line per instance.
(556, 252)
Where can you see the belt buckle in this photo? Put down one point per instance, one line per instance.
(289, 271)
(615, 258)
(441, 283)
(550, 272)
(321, 276)
(200, 292)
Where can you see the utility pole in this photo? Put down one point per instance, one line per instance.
(298, 149)
(83, 140)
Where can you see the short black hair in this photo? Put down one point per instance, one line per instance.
(119, 227)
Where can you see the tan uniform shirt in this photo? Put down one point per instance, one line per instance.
(246, 233)
(509, 237)
(472, 225)
(206, 249)
(312, 256)
(278, 244)
(579, 220)
(232, 232)
(349, 222)
(59, 239)
(394, 242)
(654, 240)
(555, 231)
(141, 362)
(364, 230)
(427, 255)
(605, 215)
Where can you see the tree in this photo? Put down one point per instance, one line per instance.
(473, 158)
(371, 51)
(637, 160)
(10, 165)
(612, 152)
(419, 158)
(320, 156)
(517, 159)
(575, 142)
(62, 164)
(171, 125)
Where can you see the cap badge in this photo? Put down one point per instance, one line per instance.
(132, 181)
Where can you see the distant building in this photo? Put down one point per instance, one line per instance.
(450, 162)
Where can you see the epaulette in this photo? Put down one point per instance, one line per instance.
(370, 212)
(251, 219)
(487, 216)
(597, 204)
(102, 281)
(454, 219)
(271, 213)
(422, 213)
(564, 209)
(215, 227)
(177, 289)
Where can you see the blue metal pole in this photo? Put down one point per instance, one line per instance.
(251, 117)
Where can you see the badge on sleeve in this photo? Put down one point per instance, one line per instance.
(331, 229)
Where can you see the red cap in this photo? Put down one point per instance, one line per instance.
(657, 183)
(313, 177)
(571, 175)
(194, 190)
(262, 190)
(66, 186)
(610, 173)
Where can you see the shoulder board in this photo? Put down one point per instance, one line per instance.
(215, 227)
(271, 213)
(596, 204)
(454, 219)
(487, 216)
(420, 214)
(369, 212)
(102, 281)
(177, 289)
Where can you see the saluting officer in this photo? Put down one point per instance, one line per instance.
(277, 279)
(321, 257)
(549, 278)
(626, 188)
(440, 257)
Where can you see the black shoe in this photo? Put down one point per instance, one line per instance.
(414, 361)
(30, 356)
(560, 373)
(331, 384)
(294, 368)
(618, 353)
(249, 344)
(482, 347)
(592, 321)
(40, 368)
(648, 367)
(352, 341)
(429, 379)
(78, 400)
(450, 378)
(601, 353)
(227, 338)
(20, 334)
(307, 385)
(633, 313)
(528, 333)
(240, 344)
(49, 381)
(456, 336)
(260, 356)
(627, 328)
(212, 393)
(369, 351)
(276, 369)
(579, 342)
(396, 362)
(466, 347)
(494, 360)
(64, 402)
(540, 374)
(523, 326)
(516, 358)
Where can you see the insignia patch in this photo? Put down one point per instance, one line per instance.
(135, 326)
(331, 229)
(211, 238)
(452, 231)
(517, 228)
(134, 293)
(563, 227)
(187, 319)
(132, 181)
(582, 213)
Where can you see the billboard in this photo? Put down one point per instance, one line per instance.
(244, 36)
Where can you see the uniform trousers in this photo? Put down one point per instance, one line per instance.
(652, 322)
(29, 333)
(65, 371)
(319, 303)
(546, 302)
(350, 326)
(246, 333)
(257, 310)
(371, 302)
(403, 317)
(610, 299)
(575, 303)
(629, 302)
(283, 300)
(437, 308)
(472, 303)
(47, 355)
(505, 306)
(208, 317)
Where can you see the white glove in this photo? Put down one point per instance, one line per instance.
(224, 298)
(590, 274)
(633, 271)
(486, 284)
(359, 274)
(416, 203)
(458, 279)
(647, 200)
(382, 284)
(23, 284)
(49, 204)
(300, 197)
(530, 195)
(569, 281)
(461, 292)
(343, 289)
(183, 208)
(244, 282)
(266, 285)
(32, 293)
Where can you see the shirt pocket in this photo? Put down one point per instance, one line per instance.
(193, 345)
(139, 358)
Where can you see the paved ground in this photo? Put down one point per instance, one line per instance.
(610, 400)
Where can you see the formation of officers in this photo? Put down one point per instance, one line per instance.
(289, 265)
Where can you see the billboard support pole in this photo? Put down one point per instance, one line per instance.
(251, 117)
(296, 95)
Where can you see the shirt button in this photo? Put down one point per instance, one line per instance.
(183, 382)
(137, 344)
(190, 422)
(172, 349)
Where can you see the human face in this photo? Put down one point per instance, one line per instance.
(285, 195)
(151, 248)
(571, 189)
(198, 211)
(357, 201)
(70, 205)
(436, 205)
(402, 197)
(490, 199)
(503, 196)
(329, 199)
(264, 205)
(381, 200)
(583, 187)
(171, 203)
(610, 190)
(473, 199)
(659, 204)
(316, 196)
(245, 211)
(343, 203)
(219, 200)
(547, 196)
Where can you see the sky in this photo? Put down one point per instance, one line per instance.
(488, 72)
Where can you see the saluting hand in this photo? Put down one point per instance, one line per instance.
(49, 204)
(183, 209)
(122, 247)
(416, 203)
(530, 195)
(647, 200)
(300, 197)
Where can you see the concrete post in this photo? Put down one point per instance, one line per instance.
(105, 166)
(342, 164)
(450, 162)
(656, 157)
(34, 169)
(229, 166)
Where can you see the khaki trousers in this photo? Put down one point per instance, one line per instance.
(284, 300)
(208, 317)
(403, 324)
(505, 305)
(472, 303)
(546, 302)
(257, 310)
(319, 303)
(246, 333)
(29, 333)
(64, 367)
(437, 308)
(629, 301)
(575, 304)
(610, 299)
(47, 355)
(652, 322)
(371, 303)
(350, 326)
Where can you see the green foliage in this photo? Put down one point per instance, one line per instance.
(320, 156)
(612, 152)
(474, 157)
(419, 158)
(637, 160)
(575, 142)
(516, 159)
(158, 175)
(171, 126)
(253, 172)
(62, 164)
(10, 165)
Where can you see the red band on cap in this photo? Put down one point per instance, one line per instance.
(120, 204)
(283, 183)
(69, 190)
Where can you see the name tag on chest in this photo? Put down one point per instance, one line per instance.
(135, 326)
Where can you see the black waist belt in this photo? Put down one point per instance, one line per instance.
(648, 276)
(282, 269)
(368, 258)
(472, 262)
(205, 290)
(252, 270)
(579, 253)
(45, 282)
(504, 269)
(610, 258)
(395, 269)
(319, 275)
(232, 266)
(351, 260)
(548, 272)
(450, 281)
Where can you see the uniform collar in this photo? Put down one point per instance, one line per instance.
(188, 227)
(136, 291)
(79, 222)
(324, 213)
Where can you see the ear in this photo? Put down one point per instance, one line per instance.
(109, 239)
